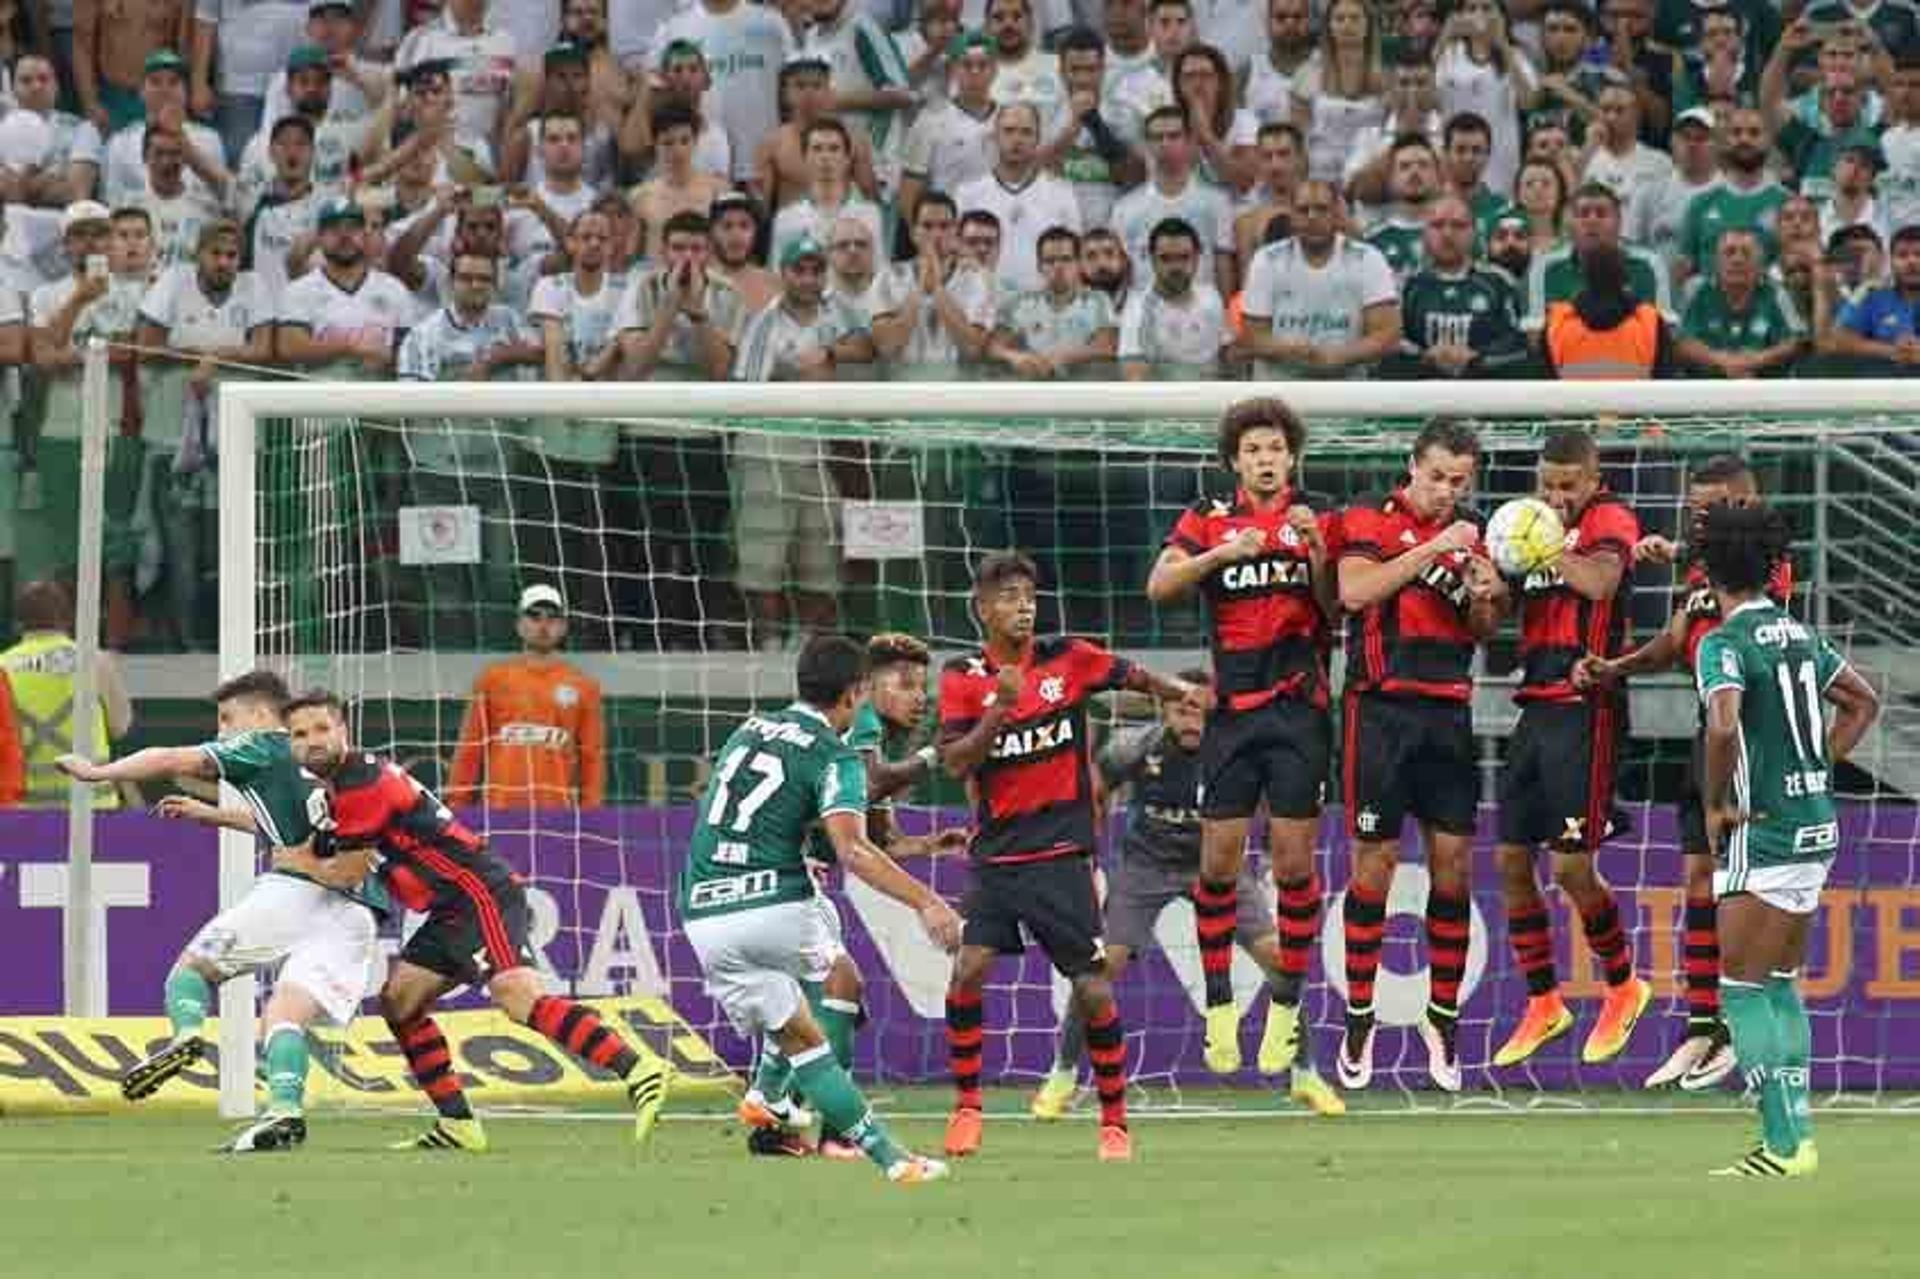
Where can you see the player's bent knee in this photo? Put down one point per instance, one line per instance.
(1093, 992)
(970, 968)
(515, 992)
(844, 981)
(1574, 873)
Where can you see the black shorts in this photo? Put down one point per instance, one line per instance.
(1557, 786)
(471, 937)
(1408, 755)
(1277, 752)
(1692, 802)
(1051, 901)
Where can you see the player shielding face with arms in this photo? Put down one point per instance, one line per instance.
(475, 932)
(308, 914)
(1260, 560)
(748, 899)
(1556, 791)
(1421, 597)
(1013, 724)
(1766, 681)
(1704, 1056)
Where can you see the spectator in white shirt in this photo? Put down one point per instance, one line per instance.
(678, 322)
(1319, 304)
(979, 240)
(565, 88)
(828, 146)
(247, 41)
(342, 319)
(1085, 142)
(360, 84)
(1105, 266)
(1023, 196)
(37, 140)
(952, 141)
(934, 311)
(745, 46)
(1149, 85)
(1223, 134)
(1024, 71)
(1176, 190)
(1062, 328)
(1176, 329)
(1267, 81)
(684, 80)
(287, 212)
(180, 211)
(483, 65)
(1617, 159)
(116, 166)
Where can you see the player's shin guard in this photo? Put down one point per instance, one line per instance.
(1107, 1047)
(1757, 1044)
(1298, 921)
(965, 1038)
(431, 1064)
(1449, 918)
(189, 996)
(579, 1030)
(1608, 940)
(286, 1057)
(1216, 908)
(1795, 1035)
(1701, 941)
(1365, 917)
(1529, 933)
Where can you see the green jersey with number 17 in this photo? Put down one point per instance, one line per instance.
(775, 778)
(1782, 778)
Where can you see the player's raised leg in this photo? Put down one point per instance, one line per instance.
(580, 1031)
(189, 997)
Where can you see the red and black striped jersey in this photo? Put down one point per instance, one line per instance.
(1559, 625)
(1416, 643)
(1269, 632)
(1033, 795)
(1701, 606)
(426, 855)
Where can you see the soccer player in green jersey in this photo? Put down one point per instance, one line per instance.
(304, 915)
(1770, 748)
(748, 899)
(897, 667)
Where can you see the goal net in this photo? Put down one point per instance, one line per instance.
(376, 539)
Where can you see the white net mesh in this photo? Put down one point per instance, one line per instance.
(695, 548)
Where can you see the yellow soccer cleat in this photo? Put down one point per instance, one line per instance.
(647, 1093)
(448, 1134)
(1546, 1019)
(1619, 1014)
(1055, 1097)
(1763, 1163)
(1223, 1039)
(1315, 1093)
(1280, 1041)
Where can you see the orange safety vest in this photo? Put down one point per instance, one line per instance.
(1623, 354)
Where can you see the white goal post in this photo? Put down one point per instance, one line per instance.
(1835, 408)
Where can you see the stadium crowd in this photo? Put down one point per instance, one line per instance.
(890, 189)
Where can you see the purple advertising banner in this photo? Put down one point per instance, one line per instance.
(601, 890)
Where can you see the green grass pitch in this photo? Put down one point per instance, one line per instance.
(1464, 1196)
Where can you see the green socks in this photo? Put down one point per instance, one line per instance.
(189, 996)
(1757, 1043)
(1796, 1047)
(286, 1057)
(838, 1018)
(827, 1085)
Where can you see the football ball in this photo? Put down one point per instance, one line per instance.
(1524, 535)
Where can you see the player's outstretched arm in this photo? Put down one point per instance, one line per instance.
(153, 763)
(1661, 653)
(186, 808)
(1165, 688)
(1856, 706)
(848, 833)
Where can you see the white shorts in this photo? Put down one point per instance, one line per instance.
(322, 942)
(830, 915)
(755, 960)
(1794, 888)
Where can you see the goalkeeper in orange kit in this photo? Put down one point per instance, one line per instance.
(533, 736)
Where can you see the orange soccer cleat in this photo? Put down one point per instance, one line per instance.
(963, 1133)
(1545, 1020)
(1116, 1144)
(1619, 1014)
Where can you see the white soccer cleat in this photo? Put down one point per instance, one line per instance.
(1356, 1070)
(1693, 1050)
(1443, 1060)
(915, 1170)
(1713, 1069)
(756, 1110)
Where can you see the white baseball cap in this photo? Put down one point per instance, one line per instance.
(83, 211)
(542, 596)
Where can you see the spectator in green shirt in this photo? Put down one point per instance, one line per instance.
(1739, 323)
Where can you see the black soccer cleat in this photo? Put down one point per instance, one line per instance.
(143, 1078)
(777, 1143)
(273, 1132)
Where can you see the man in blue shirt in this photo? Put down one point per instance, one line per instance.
(1885, 323)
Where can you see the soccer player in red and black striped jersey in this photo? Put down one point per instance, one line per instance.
(475, 932)
(1556, 790)
(1705, 1056)
(1260, 559)
(1422, 598)
(1013, 725)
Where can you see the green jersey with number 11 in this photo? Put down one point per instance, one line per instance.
(1782, 778)
(775, 778)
